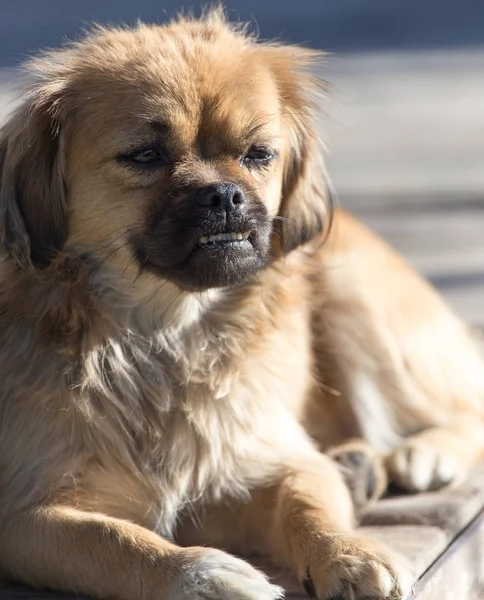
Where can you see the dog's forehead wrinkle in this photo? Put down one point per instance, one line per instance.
(209, 131)
(233, 128)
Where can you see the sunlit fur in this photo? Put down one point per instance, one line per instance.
(129, 406)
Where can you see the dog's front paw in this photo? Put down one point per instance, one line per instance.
(350, 567)
(419, 466)
(210, 574)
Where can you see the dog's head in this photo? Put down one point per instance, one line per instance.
(189, 151)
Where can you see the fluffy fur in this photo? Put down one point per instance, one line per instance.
(144, 403)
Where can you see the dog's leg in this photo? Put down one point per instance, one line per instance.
(89, 553)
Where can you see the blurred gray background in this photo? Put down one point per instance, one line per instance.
(404, 125)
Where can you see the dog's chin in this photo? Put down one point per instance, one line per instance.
(218, 265)
(212, 264)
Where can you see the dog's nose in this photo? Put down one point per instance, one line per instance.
(225, 196)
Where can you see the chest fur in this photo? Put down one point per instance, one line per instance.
(195, 416)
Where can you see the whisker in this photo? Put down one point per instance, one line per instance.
(128, 264)
(109, 242)
(110, 255)
(288, 223)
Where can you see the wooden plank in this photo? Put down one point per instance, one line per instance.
(420, 545)
(459, 572)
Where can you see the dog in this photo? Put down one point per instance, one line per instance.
(191, 355)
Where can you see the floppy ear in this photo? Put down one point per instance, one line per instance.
(306, 207)
(33, 213)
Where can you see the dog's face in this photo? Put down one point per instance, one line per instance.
(186, 151)
(185, 160)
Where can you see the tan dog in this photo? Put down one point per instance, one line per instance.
(172, 328)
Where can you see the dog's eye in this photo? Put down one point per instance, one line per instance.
(258, 155)
(150, 155)
(146, 157)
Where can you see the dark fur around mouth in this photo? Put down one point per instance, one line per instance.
(170, 247)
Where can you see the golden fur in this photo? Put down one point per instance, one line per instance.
(136, 412)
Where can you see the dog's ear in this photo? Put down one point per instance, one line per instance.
(306, 207)
(33, 212)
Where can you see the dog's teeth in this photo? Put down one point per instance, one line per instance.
(224, 237)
